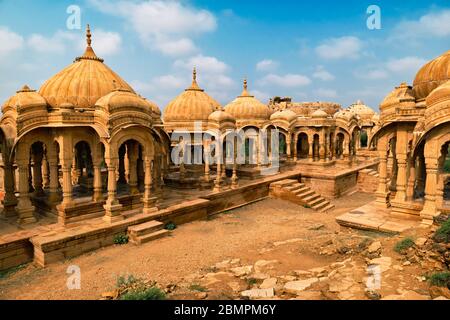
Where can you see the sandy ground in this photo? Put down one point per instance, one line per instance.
(192, 248)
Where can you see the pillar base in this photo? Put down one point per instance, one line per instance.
(134, 190)
(98, 196)
(26, 216)
(382, 199)
(9, 208)
(150, 205)
(112, 213)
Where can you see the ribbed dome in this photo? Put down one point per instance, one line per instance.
(24, 98)
(431, 76)
(286, 115)
(247, 107)
(362, 110)
(221, 116)
(441, 93)
(192, 105)
(344, 114)
(123, 98)
(83, 82)
(319, 114)
(402, 93)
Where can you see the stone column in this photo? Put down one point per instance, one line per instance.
(411, 180)
(346, 149)
(148, 200)
(401, 178)
(97, 196)
(288, 147)
(45, 173)
(9, 202)
(25, 208)
(429, 210)
(132, 152)
(206, 160)
(234, 177)
(258, 148)
(322, 143)
(311, 150)
(382, 193)
(218, 180)
(295, 147)
(54, 180)
(112, 206)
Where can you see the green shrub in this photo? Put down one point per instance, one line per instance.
(170, 226)
(120, 239)
(306, 206)
(152, 293)
(443, 233)
(440, 279)
(251, 281)
(10, 271)
(404, 245)
(197, 287)
(124, 281)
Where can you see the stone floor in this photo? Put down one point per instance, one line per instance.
(374, 217)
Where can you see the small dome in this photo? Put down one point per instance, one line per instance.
(319, 114)
(439, 94)
(122, 98)
(401, 94)
(359, 108)
(431, 76)
(83, 82)
(192, 105)
(344, 115)
(221, 116)
(286, 115)
(23, 99)
(247, 107)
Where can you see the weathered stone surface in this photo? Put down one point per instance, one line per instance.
(295, 287)
(407, 295)
(242, 271)
(263, 265)
(269, 283)
(374, 247)
(383, 262)
(420, 242)
(258, 293)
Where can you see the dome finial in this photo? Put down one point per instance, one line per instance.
(88, 36)
(194, 85)
(245, 91)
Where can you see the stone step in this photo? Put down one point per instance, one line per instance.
(327, 208)
(284, 183)
(320, 205)
(294, 187)
(301, 190)
(306, 194)
(317, 201)
(373, 173)
(145, 228)
(149, 237)
(311, 198)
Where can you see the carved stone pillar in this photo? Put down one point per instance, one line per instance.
(234, 177)
(382, 193)
(288, 147)
(132, 152)
(9, 202)
(25, 208)
(37, 174)
(97, 195)
(122, 178)
(112, 206)
(148, 200)
(429, 210)
(54, 196)
(45, 173)
(411, 180)
(401, 178)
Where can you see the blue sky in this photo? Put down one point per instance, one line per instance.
(306, 50)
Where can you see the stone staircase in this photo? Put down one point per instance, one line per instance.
(294, 191)
(146, 232)
(368, 180)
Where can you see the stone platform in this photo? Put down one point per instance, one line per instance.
(374, 217)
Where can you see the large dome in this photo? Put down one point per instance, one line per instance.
(362, 110)
(83, 82)
(431, 76)
(192, 105)
(247, 107)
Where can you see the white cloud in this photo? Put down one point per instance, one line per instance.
(323, 74)
(105, 43)
(374, 74)
(406, 64)
(261, 95)
(10, 41)
(204, 64)
(267, 65)
(166, 26)
(433, 24)
(325, 93)
(340, 48)
(288, 80)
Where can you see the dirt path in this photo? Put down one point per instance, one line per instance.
(192, 247)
